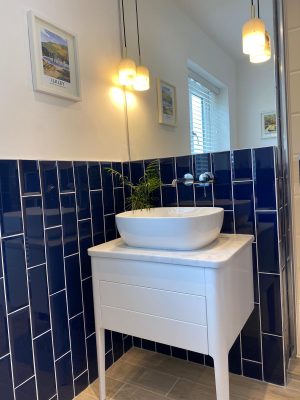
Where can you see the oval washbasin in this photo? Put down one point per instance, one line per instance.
(171, 228)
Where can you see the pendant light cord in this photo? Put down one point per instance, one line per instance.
(258, 11)
(138, 31)
(124, 28)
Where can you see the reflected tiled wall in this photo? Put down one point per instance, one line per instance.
(52, 212)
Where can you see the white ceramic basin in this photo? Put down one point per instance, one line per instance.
(171, 228)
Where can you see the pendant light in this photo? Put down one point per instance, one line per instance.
(127, 67)
(142, 79)
(263, 55)
(254, 33)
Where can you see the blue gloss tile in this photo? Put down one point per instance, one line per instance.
(92, 358)
(87, 287)
(126, 170)
(185, 195)
(228, 222)
(222, 185)
(108, 342)
(1, 268)
(137, 171)
(163, 349)
(73, 279)
(85, 242)
(252, 370)
(179, 353)
(34, 230)
(117, 166)
(97, 217)
(108, 360)
(196, 357)
(27, 391)
(55, 259)
(255, 273)
(64, 378)
(82, 190)
(117, 345)
(108, 190)
(208, 361)
(60, 325)
(66, 176)
(78, 345)
(94, 175)
(127, 341)
(169, 196)
(267, 242)
(244, 208)
(21, 345)
(6, 385)
(81, 383)
(44, 365)
(10, 211)
(270, 304)
(4, 349)
(203, 196)
(110, 227)
(30, 177)
(273, 366)
(50, 193)
(148, 345)
(242, 164)
(184, 165)
(119, 200)
(15, 273)
(251, 348)
(264, 178)
(69, 222)
(234, 358)
(39, 303)
(137, 342)
(167, 170)
(202, 163)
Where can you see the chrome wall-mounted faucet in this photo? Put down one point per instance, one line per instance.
(187, 180)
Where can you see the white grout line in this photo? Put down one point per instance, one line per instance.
(59, 291)
(12, 236)
(71, 255)
(77, 315)
(42, 334)
(60, 357)
(5, 355)
(253, 361)
(53, 227)
(23, 383)
(81, 373)
(36, 266)
(16, 311)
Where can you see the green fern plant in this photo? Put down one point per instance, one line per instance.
(142, 194)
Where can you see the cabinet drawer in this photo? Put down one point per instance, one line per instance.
(162, 330)
(173, 277)
(156, 302)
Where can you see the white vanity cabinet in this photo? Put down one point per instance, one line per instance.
(196, 300)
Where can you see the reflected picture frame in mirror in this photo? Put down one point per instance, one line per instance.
(166, 103)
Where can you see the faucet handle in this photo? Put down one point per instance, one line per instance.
(189, 179)
(206, 177)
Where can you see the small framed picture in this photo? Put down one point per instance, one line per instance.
(167, 108)
(268, 125)
(54, 59)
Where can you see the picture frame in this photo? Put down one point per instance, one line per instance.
(167, 103)
(269, 125)
(54, 58)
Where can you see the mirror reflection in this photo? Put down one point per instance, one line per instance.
(205, 94)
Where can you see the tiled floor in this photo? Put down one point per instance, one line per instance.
(144, 375)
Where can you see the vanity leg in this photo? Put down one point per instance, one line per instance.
(101, 363)
(222, 376)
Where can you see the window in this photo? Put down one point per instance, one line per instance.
(206, 115)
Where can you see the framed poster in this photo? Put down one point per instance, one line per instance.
(268, 125)
(167, 108)
(54, 59)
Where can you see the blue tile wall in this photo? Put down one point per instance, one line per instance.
(52, 212)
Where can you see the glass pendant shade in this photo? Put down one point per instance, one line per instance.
(142, 79)
(127, 72)
(263, 55)
(254, 33)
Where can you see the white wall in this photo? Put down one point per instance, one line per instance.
(256, 93)
(168, 40)
(35, 125)
(292, 12)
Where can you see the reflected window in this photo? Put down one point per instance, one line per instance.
(208, 116)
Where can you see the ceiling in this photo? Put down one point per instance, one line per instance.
(222, 20)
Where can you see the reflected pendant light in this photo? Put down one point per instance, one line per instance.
(127, 67)
(142, 78)
(254, 33)
(263, 55)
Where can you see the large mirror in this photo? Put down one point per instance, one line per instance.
(193, 49)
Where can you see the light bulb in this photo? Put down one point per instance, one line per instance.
(127, 72)
(142, 80)
(265, 54)
(254, 36)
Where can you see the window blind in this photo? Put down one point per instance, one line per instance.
(205, 117)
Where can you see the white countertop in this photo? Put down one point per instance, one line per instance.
(213, 256)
